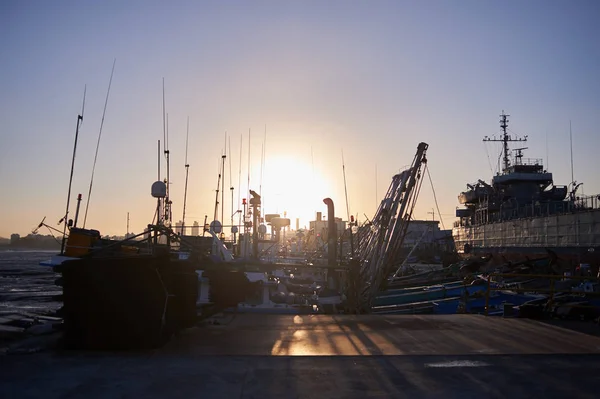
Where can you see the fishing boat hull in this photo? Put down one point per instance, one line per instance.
(427, 294)
(126, 302)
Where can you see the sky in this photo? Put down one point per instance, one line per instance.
(318, 87)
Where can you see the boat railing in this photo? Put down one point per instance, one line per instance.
(553, 291)
(537, 209)
(528, 161)
(587, 202)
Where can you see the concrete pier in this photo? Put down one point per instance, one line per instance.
(319, 356)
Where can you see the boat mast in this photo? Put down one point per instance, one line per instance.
(216, 216)
(65, 217)
(167, 180)
(505, 140)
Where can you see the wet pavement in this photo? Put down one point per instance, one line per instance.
(286, 356)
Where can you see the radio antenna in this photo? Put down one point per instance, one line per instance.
(98, 143)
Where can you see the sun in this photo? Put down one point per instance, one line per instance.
(290, 187)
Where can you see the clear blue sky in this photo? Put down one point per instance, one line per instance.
(369, 78)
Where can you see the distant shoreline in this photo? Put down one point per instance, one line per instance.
(29, 248)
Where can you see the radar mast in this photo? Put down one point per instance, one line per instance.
(505, 139)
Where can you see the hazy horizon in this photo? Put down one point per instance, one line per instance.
(367, 79)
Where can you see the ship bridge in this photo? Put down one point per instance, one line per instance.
(524, 170)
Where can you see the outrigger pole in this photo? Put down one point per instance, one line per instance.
(65, 217)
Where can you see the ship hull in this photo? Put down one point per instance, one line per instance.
(574, 237)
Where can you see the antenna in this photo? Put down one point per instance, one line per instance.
(547, 162)
(217, 195)
(127, 224)
(571, 140)
(223, 181)
(187, 167)
(98, 144)
(249, 146)
(168, 214)
(79, 122)
(231, 185)
(505, 139)
(262, 161)
(163, 108)
(240, 180)
(165, 148)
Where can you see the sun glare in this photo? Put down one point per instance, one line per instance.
(290, 187)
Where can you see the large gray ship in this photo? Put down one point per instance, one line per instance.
(521, 213)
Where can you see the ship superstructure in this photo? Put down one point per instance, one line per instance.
(521, 212)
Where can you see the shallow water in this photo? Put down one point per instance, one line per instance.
(26, 287)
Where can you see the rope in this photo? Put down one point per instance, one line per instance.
(435, 197)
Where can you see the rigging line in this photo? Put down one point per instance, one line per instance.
(434, 196)
(488, 158)
(499, 159)
(263, 159)
(79, 124)
(345, 187)
(98, 143)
